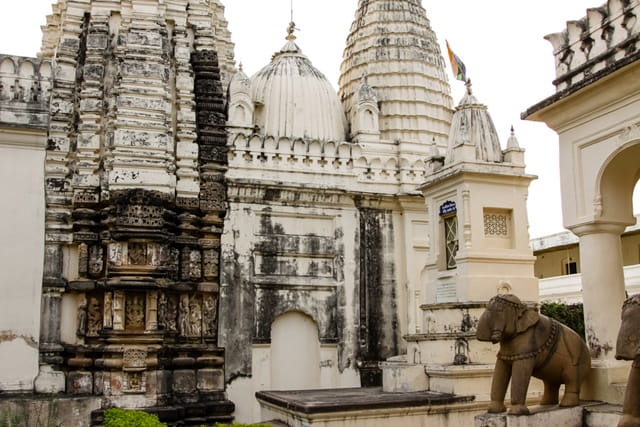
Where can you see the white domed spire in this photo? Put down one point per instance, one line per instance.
(295, 100)
(472, 125)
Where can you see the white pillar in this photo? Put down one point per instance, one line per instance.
(603, 287)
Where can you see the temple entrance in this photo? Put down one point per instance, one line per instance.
(295, 352)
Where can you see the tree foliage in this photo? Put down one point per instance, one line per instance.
(571, 315)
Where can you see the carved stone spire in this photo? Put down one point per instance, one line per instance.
(393, 44)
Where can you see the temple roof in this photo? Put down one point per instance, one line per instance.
(296, 100)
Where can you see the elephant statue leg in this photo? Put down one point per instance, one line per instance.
(550, 395)
(499, 384)
(631, 407)
(521, 372)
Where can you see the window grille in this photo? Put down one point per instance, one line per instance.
(451, 240)
(496, 225)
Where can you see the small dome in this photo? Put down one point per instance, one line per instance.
(293, 99)
(472, 124)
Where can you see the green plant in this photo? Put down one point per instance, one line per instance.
(128, 418)
(571, 315)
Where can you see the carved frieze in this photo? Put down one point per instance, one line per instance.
(134, 359)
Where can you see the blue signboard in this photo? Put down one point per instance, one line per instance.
(448, 208)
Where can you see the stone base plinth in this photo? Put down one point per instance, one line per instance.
(589, 414)
(606, 381)
(400, 376)
(472, 379)
(367, 407)
(50, 381)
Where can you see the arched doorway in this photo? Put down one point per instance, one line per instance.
(603, 284)
(295, 352)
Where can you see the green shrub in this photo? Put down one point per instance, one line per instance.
(126, 418)
(571, 315)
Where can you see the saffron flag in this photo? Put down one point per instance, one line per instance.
(459, 70)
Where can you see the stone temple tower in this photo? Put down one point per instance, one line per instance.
(392, 48)
(135, 197)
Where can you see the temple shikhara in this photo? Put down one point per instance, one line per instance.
(187, 240)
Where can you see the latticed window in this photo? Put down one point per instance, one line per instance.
(451, 240)
(496, 225)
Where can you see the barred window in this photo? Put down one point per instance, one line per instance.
(451, 240)
(496, 225)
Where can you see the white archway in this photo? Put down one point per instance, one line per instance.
(295, 352)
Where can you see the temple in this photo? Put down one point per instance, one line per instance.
(197, 237)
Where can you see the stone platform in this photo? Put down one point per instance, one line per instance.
(371, 407)
(589, 414)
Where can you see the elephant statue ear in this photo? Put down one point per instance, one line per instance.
(527, 317)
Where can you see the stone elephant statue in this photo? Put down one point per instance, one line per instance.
(628, 348)
(531, 344)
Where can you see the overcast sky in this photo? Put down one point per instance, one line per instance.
(500, 41)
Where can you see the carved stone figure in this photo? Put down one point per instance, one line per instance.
(162, 310)
(82, 319)
(108, 311)
(531, 344)
(210, 315)
(171, 314)
(195, 317)
(96, 260)
(134, 313)
(183, 316)
(94, 315)
(628, 348)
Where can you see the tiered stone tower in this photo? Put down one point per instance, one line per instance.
(476, 202)
(392, 49)
(135, 201)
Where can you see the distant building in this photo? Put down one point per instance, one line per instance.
(558, 266)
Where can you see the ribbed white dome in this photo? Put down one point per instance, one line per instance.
(472, 124)
(293, 99)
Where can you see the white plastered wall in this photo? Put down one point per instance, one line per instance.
(21, 255)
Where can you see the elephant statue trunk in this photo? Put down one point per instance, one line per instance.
(531, 344)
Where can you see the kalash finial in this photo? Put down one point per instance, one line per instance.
(468, 85)
(292, 26)
(290, 30)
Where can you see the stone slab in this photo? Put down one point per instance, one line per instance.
(605, 415)
(589, 414)
(354, 399)
(38, 410)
